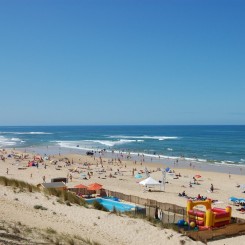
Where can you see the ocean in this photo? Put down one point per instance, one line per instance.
(212, 144)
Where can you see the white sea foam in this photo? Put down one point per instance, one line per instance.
(25, 133)
(6, 142)
(93, 143)
(144, 137)
(169, 149)
(97, 145)
(76, 145)
(111, 143)
(230, 161)
(9, 143)
(227, 163)
(32, 133)
(201, 160)
(15, 139)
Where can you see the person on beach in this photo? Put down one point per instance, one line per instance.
(44, 179)
(212, 188)
(194, 180)
(7, 172)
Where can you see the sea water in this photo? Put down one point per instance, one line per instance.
(214, 144)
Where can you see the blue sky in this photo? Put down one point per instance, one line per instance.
(122, 62)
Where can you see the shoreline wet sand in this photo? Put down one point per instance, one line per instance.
(179, 163)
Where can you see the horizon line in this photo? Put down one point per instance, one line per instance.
(104, 125)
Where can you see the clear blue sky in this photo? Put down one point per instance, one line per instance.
(122, 62)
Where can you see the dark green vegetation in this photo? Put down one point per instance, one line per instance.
(99, 206)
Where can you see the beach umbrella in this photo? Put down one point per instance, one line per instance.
(81, 186)
(198, 176)
(37, 157)
(94, 187)
(138, 176)
(167, 170)
(83, 176)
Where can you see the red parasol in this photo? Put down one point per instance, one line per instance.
(94, 187)
(81, 186)
(198, 176)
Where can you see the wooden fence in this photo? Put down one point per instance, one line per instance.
(171, 213)
(148, 202)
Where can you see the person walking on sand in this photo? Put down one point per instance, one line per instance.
(212, 188)
(44, 178)
(7, 172)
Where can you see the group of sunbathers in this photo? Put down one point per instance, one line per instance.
(242, 207)
(199, 197)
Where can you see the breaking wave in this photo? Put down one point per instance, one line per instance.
(144, 137)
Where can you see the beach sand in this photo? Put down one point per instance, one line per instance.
(100, 226)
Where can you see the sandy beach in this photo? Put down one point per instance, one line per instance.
(99, 96)
(100, 226)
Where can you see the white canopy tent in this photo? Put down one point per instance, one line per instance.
(150, 182)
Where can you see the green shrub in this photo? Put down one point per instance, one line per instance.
(3, 180)
(67, 203)
(40, 207)
(60, 201)
(50, 230)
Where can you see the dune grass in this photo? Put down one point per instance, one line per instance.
(64, 196)
(19, 184)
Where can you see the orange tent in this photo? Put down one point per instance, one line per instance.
(94, 187)
(81, 186)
